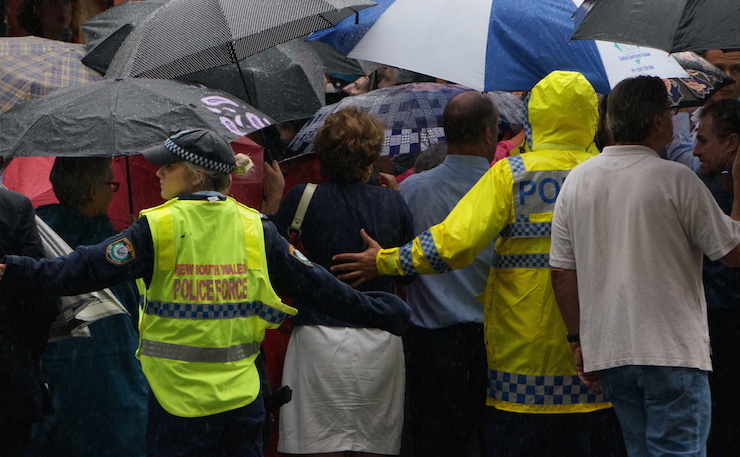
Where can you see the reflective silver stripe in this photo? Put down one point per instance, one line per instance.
(215, 311)
(527, 230)
(539, 390)
(521, 261)
(196, 354)
(432, 254)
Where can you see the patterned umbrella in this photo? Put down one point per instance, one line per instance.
(185, 36)
(31, 67)
(704, 80)
(412, 114)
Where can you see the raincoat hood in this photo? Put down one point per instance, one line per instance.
(562, 112)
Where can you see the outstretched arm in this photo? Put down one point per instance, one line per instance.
(356, 268)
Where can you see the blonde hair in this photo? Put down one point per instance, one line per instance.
(216, 180)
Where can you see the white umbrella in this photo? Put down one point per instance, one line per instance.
(501, 44)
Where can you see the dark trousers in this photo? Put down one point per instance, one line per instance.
(724, 383)
(595, 434)
(445, 389)
(13, 438)
(236, 433)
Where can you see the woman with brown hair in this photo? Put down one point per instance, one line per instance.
(348, 381)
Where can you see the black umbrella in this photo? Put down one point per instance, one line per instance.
(286, 81)
(185, 36)
(107, 31)
(670, 25)
(120, 117)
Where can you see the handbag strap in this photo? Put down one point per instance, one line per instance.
(300, 211)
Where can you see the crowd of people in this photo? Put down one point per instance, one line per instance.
(566, 288)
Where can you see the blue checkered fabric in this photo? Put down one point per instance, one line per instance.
(527, 230)
(521, 261)
(32, 67)
(516, 163)
(198, 311)
(527, 126)
(406, 260)
(412, 114)
(429, 248)
(539, 390)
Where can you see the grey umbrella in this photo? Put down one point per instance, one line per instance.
(670, 25)
(116, 117)
(107, 31)
(185, 36)
(286, 82)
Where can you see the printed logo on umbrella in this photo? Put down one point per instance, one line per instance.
(234, 116)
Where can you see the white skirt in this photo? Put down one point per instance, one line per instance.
(348, 391)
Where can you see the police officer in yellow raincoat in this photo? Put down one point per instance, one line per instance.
(536, 403)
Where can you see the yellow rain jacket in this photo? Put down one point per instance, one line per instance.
(207, 307)
(530, 362)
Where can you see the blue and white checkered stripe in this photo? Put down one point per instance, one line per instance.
(215, 311)
(539, 390)
(527, 230)
(406, 260)
(429, 248)
(527, 126)
(521, 261)
(516, 163)
(196, 159)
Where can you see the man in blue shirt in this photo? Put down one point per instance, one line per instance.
(444, 342)
(718, 139)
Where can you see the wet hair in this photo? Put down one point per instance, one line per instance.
(466, 117)
(347, 144)
(632, 105)
(725, 117)
(212, 179)
(72, 177)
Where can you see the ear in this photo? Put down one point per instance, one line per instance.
(733, 143)
(198, 179)
(92, 192)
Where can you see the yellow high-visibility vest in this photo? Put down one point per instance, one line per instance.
(205, 312)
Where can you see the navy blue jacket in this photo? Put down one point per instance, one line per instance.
(89, 268)
(25, 320)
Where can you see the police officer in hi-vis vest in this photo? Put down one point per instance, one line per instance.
(209, 271)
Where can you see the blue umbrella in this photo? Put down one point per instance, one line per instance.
(498, 44)
(345, 35)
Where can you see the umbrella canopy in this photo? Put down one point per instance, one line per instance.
(704, 80)
(412, 114)
(31, 67)
(345, 35)
(107, 31)
(671, 25)
(185, 36)
(286, 82)
(500, 44)
(120, 117)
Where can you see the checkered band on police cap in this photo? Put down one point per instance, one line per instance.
(200, 147)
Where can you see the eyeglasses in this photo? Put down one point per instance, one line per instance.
(114, 185)
(673, 110)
